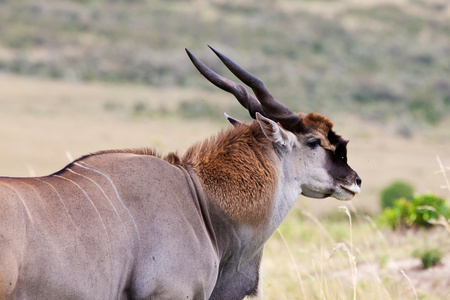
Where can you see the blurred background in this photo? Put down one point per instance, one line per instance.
(77, 76)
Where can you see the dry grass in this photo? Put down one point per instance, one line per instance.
(41, 120)
(376, 264)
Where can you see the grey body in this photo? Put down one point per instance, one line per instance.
(95, 231)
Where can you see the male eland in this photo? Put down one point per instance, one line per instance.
(129, 224)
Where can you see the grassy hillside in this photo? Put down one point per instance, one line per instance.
(385, 60)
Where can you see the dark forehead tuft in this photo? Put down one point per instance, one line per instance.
(317, 122)
(324, 126)
(336, 139)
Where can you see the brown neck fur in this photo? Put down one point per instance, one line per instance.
(236, 169)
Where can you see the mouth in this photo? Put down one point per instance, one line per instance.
(311, 193)
(352, 190)
(348, 191)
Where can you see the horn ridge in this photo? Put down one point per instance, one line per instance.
(242, 95)
(243, 75)
(270, 106)
(264, 103)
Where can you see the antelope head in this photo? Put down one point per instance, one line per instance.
(313, 157)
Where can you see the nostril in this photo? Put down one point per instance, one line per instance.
(358, 181)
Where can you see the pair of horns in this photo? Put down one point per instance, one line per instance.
(264, 103)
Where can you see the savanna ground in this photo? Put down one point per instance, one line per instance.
(77, 76)
(317, 253)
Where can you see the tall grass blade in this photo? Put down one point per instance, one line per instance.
(294, 262)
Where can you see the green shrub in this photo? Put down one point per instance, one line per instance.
(429, 207)
(416, 213)
(429, 257)
(394, 191)
(399, 214)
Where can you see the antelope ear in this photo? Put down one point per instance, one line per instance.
(233, 121)
(272, 131)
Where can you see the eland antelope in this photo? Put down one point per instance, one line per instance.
(130, 224)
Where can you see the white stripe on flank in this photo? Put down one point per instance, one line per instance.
(60, 199)
(99, 216)
(104, 194)
(21, 199)
(36, 192)
(85, 166)
(92, 203)
(40, 198)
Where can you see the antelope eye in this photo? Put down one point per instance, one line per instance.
(343, 158)
(313, 143)
(341, 153)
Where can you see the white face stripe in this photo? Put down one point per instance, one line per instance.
(85, 166)
(104, 194)
(61, 199)
(21, 199)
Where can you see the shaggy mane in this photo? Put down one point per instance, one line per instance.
(236, 169)
(138, 151)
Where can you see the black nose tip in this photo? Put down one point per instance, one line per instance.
(358, 181)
